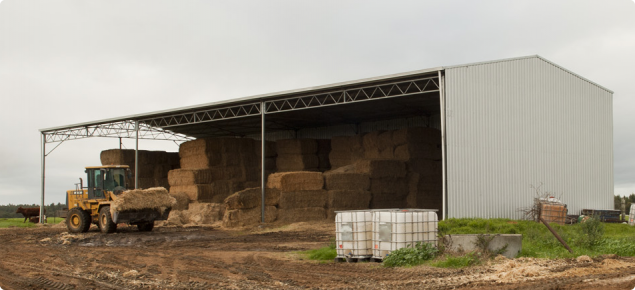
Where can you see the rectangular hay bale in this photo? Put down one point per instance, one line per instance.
(296, 162)
(251, 198)
(349, 199)
(303, 198)
(296, 146)
(380, 168)
(194, 192)
(293, 181)
(416, 135)
(293, 215)
(394, 186)
(247, 217)
(346, 181)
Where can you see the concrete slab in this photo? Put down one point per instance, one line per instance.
(467, 243)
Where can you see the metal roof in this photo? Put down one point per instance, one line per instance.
(406, 94)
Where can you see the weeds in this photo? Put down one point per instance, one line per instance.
(323, 254)
(411, 256)
(592, 232)
(469, 259)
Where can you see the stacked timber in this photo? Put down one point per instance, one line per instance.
(153, 165)
(297, 155)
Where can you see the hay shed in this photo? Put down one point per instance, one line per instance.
(504, 125)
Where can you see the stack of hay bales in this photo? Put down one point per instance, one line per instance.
(302, 197)
(388, 182)
(347, 190)
(346, 150)
(196, 215)
(323, 151)
(270, 158)
(153, 165)
(243, 208)
(297, 155)
(420, 148)
(378, 145)
(213, 169)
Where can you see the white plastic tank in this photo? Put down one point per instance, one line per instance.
(399, 228)
(353, 233)
(631, 215)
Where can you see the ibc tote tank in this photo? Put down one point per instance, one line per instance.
(399, 228)
(353, 233)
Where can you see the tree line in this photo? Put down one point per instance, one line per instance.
(8, 211)
(617, 202)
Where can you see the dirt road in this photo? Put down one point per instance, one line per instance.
(211, 258)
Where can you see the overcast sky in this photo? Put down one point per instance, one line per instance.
(65, 62)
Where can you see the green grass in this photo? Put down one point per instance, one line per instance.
(327, 253)
(18, 222)
(540, 243)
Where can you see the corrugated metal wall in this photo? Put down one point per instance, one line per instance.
(523, 122)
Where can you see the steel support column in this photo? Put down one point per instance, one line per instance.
(43, 145)
(262, 161)
(136, 155)
(444, 191)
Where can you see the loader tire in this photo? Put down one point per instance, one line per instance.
(78, 220)
(106, 225)
(145, 227)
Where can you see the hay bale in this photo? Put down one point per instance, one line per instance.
(340, 158)
(370, 140)
(386, 153)
(296, 146)
(194, 192)
(246, 217)
(251, 198)
(294, 215)
(348, 198)
(382, 168)
(351, 168)
(425, 167)
(394, 186)
(175, 218)
(191, 176)
(347, 143)
(297, 162)
(182, 201)
(117, 157)
(137, 199)
(270, 149)
(294, 181)
(204, 213)
(384, 140)
(161, 171)
(303, 198)
(270, 163)
(346, 181)
(200, 161)
(209, 146)
(221, 189)
(413, 151)
(416, 135)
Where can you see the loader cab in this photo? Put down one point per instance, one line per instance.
(106, 178)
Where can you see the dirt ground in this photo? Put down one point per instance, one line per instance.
(212, 258)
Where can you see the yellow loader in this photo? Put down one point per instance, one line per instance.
(91, 204)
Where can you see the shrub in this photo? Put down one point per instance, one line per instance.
(592, 232)
(411, 256)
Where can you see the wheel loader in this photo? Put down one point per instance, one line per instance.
(91, 204)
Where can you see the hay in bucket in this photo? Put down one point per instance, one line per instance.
(137, 199)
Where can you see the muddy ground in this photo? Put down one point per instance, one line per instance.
(212, 258)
